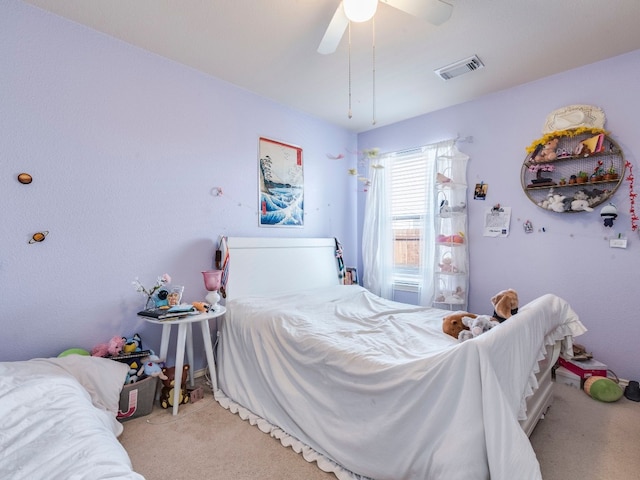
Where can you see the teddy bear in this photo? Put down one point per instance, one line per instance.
(546, 152)
(452, 324)
(476, 326)
(505, 304)
(166, 394)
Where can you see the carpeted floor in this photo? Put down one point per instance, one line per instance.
(580, 438)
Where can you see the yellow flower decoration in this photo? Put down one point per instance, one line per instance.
(565, 133)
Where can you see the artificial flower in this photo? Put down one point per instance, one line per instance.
(160, 282)
(565, 133)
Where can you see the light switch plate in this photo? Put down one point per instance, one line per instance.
(618, 243)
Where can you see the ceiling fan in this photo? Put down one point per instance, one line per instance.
(435, 12)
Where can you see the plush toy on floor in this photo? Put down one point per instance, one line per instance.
(166, 394)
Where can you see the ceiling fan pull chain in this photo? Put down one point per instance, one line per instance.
(373, 61)
(349, 28)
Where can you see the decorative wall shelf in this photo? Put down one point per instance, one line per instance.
(557, 185)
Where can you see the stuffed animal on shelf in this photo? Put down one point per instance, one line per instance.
(476, 326)
(581, 205)
(168, 384)
(505, 304)
(546, 152)
(558, 203)
(447, 265)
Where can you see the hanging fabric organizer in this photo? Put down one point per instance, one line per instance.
(451, 280)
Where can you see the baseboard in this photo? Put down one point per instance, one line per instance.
(200, 373)
(622, 382)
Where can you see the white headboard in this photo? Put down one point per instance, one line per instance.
(261, 266)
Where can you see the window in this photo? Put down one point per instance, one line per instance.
(410, 189)
(398, 231)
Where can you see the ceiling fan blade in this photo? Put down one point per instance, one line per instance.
(432, 11)
(334, 32)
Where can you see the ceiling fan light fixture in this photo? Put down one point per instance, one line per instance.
(360, 10)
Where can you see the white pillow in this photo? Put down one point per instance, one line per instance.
(101, 377)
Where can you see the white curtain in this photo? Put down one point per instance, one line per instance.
(377, 234)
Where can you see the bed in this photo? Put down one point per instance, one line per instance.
(371, 388)
(58, 419)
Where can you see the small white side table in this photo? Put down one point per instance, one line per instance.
(185, 336)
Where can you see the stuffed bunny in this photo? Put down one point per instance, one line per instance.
(477, 326)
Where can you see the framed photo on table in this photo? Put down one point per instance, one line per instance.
(280, 184)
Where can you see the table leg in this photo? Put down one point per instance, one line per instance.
(164, 342)
(182, 336)
(208, 348)
(190, 354)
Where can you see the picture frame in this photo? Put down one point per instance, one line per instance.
(280, 184)
(480, 192)
(351, 276)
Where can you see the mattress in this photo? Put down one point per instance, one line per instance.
(58, 420)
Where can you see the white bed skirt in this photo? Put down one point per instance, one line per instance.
(309, 454)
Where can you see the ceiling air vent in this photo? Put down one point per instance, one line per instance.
(459, 68)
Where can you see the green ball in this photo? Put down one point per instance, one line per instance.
(603, 389)
(74, 351)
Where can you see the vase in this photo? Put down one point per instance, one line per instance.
(150, 303)
(212, 282)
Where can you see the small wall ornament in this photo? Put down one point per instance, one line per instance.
(25, 178)
(39, 237)
(609, 213)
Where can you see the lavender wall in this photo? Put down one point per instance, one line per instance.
(572, 257)
(125, 149)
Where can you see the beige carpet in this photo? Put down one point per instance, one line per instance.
(580, 438)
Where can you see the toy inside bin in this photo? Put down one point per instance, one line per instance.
(136, 399)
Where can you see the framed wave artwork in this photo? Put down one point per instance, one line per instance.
(280, 184)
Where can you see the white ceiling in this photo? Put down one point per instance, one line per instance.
(269, 47)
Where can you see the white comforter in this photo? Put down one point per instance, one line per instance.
(376, 387)
(58, 420)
